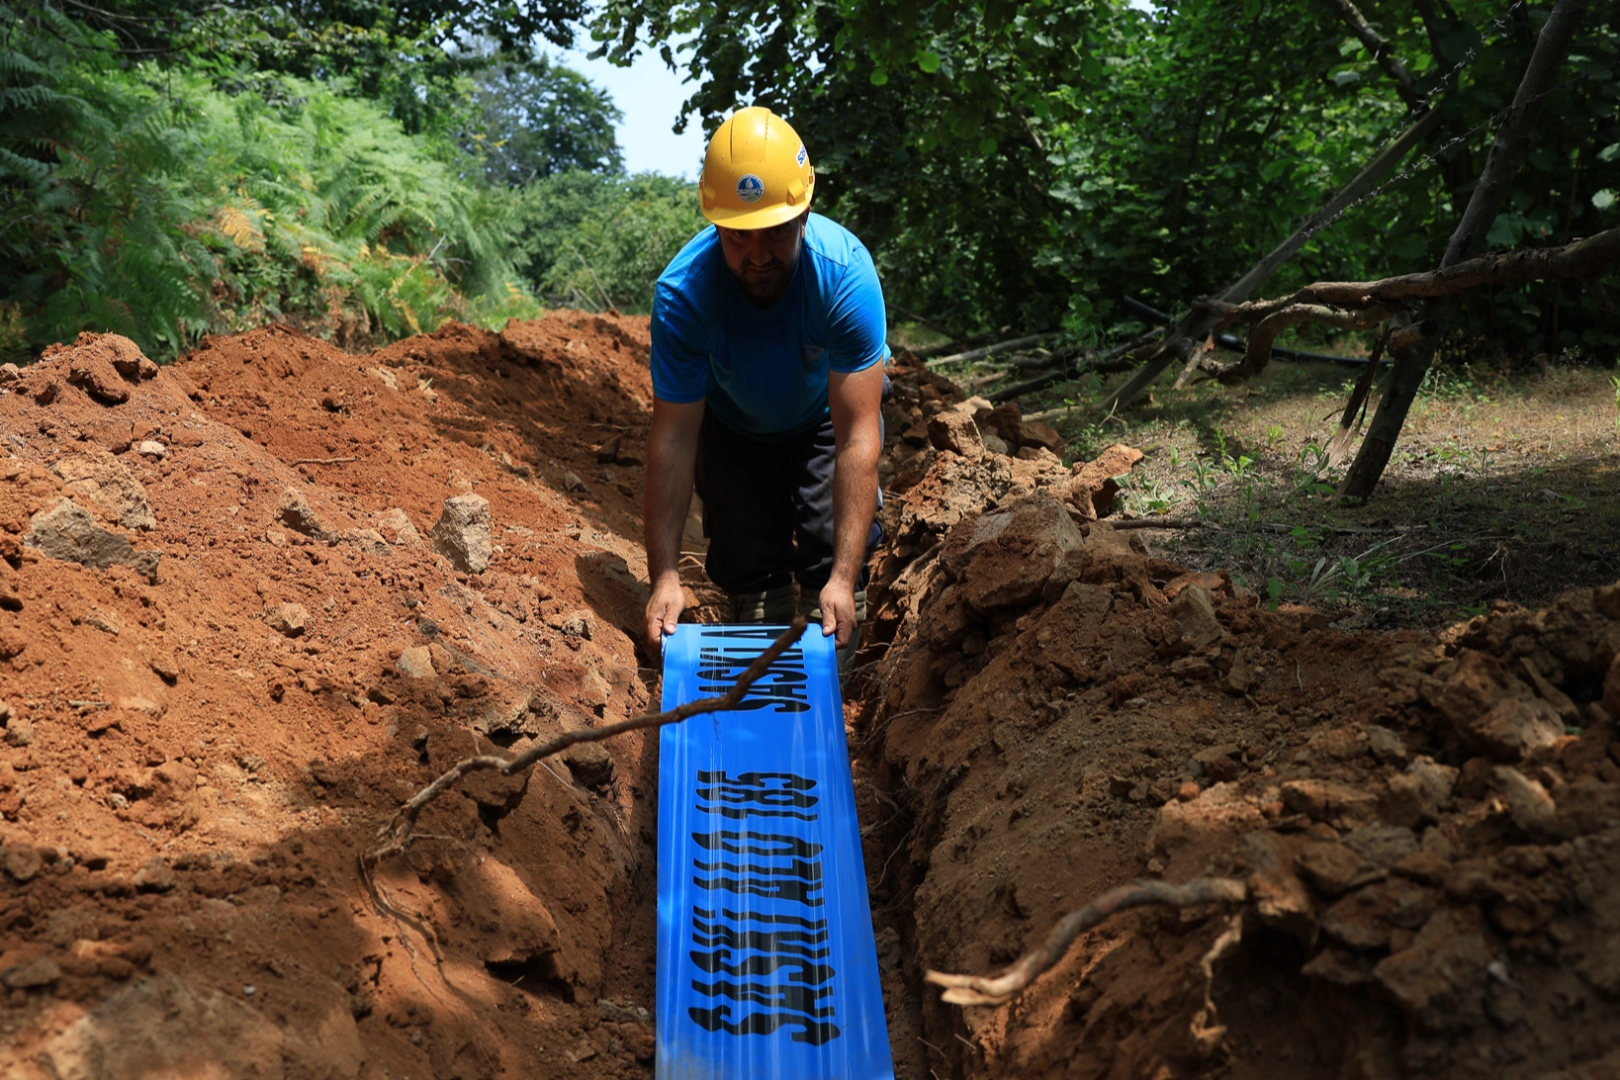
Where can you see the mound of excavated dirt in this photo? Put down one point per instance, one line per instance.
(1433, 862)
(251, 602)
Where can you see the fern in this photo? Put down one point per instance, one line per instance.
(159, 205)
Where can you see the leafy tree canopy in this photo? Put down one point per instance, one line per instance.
(538, 118)
(1031, 160)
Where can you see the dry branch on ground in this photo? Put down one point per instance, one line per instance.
(1351, 304)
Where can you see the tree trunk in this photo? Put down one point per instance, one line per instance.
(1495, 180)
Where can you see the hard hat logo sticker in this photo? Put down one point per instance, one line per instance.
(750, 188)
(803, 157)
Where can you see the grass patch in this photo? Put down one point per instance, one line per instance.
(1503, 486)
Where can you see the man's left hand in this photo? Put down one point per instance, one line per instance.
(838, 612)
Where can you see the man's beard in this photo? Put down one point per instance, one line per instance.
(766, 284)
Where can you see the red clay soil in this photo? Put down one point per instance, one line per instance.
(233, 641)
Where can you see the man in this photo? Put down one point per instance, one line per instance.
(768, 348)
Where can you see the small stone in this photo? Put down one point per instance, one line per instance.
(1493, 711)
(416, 663)
(165, 667)
(9, 373)
(94, 476)
(295, 514)
(155, 875)
(572, 482)
(1036, 434)
(395, 527)
(287, 619)
(105, 621)
(1529, 804)
(19, 731)
(1386, 746)
(42, 971)
(590, 763)
(23, 862)
(462, 533)
(1194, 610)
(578, 625)
(369, 541)
(65, 531)
(956, 433)
(1192, 667)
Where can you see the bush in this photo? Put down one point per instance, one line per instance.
(598, 241)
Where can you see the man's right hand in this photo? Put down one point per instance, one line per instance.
(672, 445)
(664, 609)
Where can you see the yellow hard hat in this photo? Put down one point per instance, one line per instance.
(756, 173)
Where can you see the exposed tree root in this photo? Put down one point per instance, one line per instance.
(1012, 980)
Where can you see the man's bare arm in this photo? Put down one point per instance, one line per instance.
(855, 401)
(671, 458)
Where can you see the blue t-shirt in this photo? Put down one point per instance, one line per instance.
(764, 370)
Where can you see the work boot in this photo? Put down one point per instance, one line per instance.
(771, 606)
(810, 608)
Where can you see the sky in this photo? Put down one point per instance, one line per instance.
(650, 96)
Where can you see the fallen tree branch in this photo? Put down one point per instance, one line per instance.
(1358, 304)
(980, 353)
(1580, 259)
(1000, 988)
(930, 351)
(1266, 331)
(1154, 523)
(397, 832)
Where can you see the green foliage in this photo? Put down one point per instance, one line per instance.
(599, 241)
(1030, 161)
(150, 202)
(539, 118)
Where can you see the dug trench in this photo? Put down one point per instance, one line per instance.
(252, 601)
